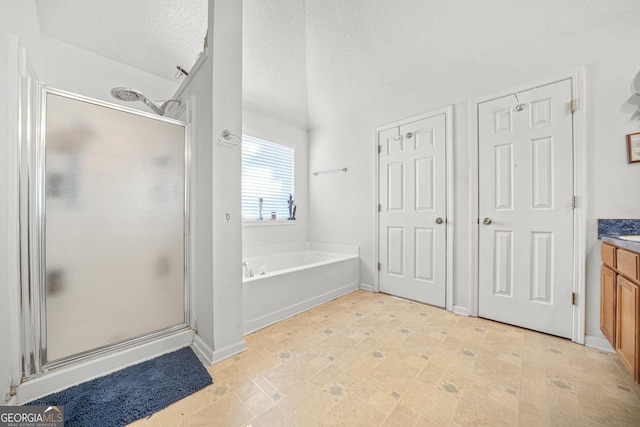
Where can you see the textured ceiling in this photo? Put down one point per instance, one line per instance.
(274, 76)
(312, 61)
(364, 51)
(151, 35)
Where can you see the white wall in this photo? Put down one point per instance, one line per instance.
(225, 41)
(342, 205)
(213, 93)
(271, 129)
(76, 70)
(196, 92)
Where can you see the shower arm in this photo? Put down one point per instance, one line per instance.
(159, 109)
(164, 103)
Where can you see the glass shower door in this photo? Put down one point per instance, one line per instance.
(113, 222)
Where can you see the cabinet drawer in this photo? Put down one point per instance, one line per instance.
(628, 263)
(608, 254)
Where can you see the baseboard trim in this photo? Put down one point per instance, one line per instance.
(268, 319)
(202, 350)
(598, 343)
(229, 351)
(366, 287)
(462, 311)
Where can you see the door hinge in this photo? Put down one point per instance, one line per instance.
(379, 267)
(379, 207)
(573, 106)
(573, 298)
(573, 202)
(379, 149)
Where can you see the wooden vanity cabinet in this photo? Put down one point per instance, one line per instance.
(608, 304)
(620, 304)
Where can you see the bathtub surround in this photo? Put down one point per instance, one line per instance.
(292, 277)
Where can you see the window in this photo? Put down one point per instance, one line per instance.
(267, 173)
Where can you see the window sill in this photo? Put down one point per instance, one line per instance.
(266, 222)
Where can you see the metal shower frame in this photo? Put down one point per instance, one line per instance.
(32, 218)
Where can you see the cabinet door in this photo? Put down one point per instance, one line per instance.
(628, 304)
(608, 304)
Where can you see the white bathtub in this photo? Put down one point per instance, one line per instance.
(296, 277)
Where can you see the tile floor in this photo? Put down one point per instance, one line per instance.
(369, 359)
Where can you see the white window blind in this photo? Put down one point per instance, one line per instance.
(267, 172)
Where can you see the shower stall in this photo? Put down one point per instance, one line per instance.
(103, 231)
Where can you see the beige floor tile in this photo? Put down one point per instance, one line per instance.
(353, 412)
(476, 410)
(609, 411)
(289, 377)
(267, 387)
(534, 392)
(361, 365)
(430, 421)
(564, 410)
(326, 375)
(259, 404)
(308, 406)
(228, 411)
(274, 417)
(505, 373)
(183, 409)
(371, 359)
(232, 379)
(396, 374)
(383, 397)
(432, 373)
(530, 415)
(433, 402)
(401, 417)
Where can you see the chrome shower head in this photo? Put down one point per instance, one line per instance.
(128, 94)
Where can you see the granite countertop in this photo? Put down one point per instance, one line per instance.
(610, 229)
(614, 240)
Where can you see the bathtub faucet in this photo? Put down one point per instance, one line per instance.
(248, 268)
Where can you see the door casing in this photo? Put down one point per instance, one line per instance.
(579, 180)
(448, 112)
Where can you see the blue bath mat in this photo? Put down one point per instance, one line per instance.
(132, 393)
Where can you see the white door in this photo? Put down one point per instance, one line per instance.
(526, 209)
(412, 222)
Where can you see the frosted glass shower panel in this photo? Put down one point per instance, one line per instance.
(114, 189)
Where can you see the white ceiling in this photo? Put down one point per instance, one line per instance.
(151, 35)
(312, 61)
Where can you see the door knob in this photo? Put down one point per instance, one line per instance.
(439, 221)
(486, 221)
